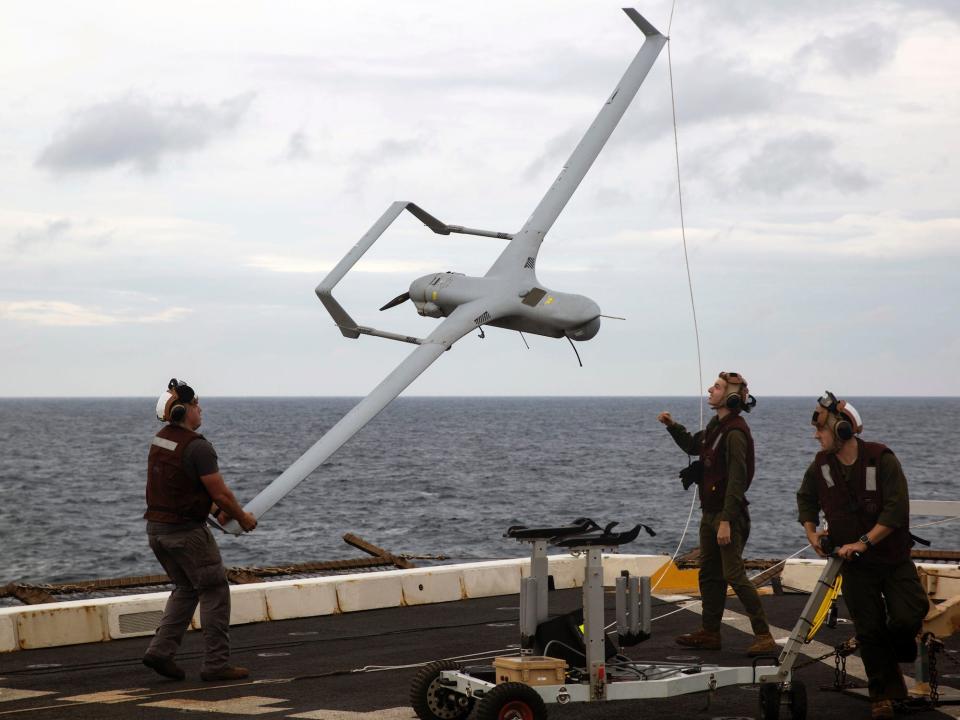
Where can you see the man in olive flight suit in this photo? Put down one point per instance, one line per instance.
(726, 455)
(862, 491)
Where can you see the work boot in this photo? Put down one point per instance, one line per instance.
(763, 644)
(701, 639)
(227, 672)
(165, 666)
(881, 710)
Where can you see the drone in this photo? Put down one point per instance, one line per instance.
(508, 296)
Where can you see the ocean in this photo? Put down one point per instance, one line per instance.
(428, 476)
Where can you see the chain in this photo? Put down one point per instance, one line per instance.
(840, 653)
(840, 671)
(934, 646)
(812, 660)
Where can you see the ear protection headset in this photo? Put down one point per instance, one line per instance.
(738, 398)
(847, 421)
(178, 396)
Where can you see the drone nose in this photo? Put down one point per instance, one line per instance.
(398, 300)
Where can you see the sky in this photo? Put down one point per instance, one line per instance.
(176, 178)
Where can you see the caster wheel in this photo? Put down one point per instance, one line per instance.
(798, 700)
(512, 701)
(770, 701)
(433, 701)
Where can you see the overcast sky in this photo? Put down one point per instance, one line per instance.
(177, 177)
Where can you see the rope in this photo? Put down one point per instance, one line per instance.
(937, 522)
(686, 261)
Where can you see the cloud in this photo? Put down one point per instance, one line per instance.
(559, 147)
(132, 130)
(393, 149)
(312, 266)
(298, 147)
(863, 51)
(51, 231)
(883, 236)
(65, 314)
(728, 91)
(793, 161)
(382, 157)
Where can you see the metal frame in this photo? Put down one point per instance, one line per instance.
(348, 326)
(658, 680)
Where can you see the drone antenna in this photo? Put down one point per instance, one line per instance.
(612, 317)
(524, 340)
(575, 351)
(481, 335)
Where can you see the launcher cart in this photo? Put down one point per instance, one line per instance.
(557, 668)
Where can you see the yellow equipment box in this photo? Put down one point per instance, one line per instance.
(530, 669)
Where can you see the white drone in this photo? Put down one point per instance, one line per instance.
(508, 296)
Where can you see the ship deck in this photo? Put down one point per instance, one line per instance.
(314, 667)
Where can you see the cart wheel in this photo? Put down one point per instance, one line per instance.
(798, 700)
(433, 701)
(770, 701)
(512, 701)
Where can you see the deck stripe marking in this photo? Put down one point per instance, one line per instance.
(107, 697)
(813, 649)
(9, 694)
(246, 705)
(397, 713)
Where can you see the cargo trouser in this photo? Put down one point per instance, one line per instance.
(887, 604)
(192, 560)
(722, 565)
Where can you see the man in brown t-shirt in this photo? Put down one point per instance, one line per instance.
(184, 485)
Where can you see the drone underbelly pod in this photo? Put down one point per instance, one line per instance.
(587, 331)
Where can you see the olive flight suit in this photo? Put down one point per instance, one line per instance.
(722, 565)
(882, 591)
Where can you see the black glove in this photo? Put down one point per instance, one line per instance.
(692, 474)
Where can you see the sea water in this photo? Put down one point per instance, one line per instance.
(429, 476)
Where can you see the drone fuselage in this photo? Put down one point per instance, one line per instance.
(531, 307)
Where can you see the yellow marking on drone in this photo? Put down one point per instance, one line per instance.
(434, 295)
(824, 608)
(548, 301)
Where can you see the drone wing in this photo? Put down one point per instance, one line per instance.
(459, 323)
(523, 248)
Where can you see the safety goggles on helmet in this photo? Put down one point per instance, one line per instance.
(184, 392)
(828, 404)
(177, 393)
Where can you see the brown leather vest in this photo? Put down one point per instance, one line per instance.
(172, 497)
(851, 511)
(713, 455)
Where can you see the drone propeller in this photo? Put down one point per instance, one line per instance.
(398, 300)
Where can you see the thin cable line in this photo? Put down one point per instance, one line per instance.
(686, 260)
(936, 522)
(683, 228)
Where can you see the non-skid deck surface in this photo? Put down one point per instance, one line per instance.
(300, 668)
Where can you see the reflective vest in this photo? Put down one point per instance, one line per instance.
(713, 455)
(172, 497)
(852, 509)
